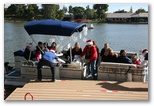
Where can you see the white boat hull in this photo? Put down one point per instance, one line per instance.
(121, 72)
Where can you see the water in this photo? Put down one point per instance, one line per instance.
(131, 37)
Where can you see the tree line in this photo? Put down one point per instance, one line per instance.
(53, 11)
(131, 11)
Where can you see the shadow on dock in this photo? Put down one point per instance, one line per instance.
(120, 87)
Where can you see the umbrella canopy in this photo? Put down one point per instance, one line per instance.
(53, 27)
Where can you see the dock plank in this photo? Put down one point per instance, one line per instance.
(82, 90)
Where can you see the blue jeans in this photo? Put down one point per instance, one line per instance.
(91, 68)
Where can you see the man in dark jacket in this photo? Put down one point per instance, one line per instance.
(123, 58)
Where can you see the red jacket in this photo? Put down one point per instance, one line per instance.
(38, 55)
(90, 53)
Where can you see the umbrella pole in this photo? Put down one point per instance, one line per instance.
(29, 55)
(70, 50)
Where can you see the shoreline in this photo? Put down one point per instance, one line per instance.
(83, 21)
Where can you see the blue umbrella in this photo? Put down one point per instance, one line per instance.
(53, 27)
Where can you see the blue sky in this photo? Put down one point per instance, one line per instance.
(114, 7)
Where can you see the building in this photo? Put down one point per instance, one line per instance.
(127, 17)
(68, 17)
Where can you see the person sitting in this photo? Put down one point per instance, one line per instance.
(102, 54)
(135, 59)
(45, 46)
(28, 52)
(111, 56)
(144, 63)
(38, 51)
(53, 46)
(123, 58)
(77, 50)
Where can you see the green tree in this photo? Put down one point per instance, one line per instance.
(65, 9)
(131, 10)
(32, 11)
(78, 12)
(89, 13)
(60, 14)
(46, 11)
(140, 11)
(70, 9)
(18, 10)
(101, 10)
(56, 9)
(11, 10)
(95, 15)
(21, 9)
(120, 11)
(49, 11)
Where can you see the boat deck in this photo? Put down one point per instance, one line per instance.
(81, 90)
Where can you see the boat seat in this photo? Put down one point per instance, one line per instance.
(119, 67)
(120, 72)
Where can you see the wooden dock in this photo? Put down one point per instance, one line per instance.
(81, 90)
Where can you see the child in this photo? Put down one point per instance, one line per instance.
(135, 59)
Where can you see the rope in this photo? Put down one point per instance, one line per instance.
(27, 94)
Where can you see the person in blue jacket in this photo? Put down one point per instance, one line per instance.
(47, 60)
(123, 58)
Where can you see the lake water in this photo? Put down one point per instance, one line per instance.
(131, 37)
